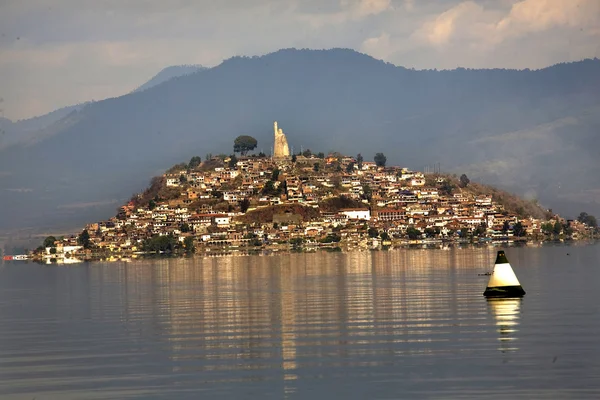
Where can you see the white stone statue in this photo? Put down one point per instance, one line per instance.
(281, 148)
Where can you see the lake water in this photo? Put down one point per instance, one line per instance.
(408, 323)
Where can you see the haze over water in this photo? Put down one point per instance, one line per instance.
(384, 324)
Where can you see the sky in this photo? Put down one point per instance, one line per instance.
(63, 52)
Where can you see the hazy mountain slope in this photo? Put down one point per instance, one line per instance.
(324, 100)
(168, 73)
(38, 127)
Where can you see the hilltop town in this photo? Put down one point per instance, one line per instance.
(306, 201)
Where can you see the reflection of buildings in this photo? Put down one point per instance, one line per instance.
(282, 319)
(506, 314)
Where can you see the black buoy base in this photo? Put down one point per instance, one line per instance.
(504, 291)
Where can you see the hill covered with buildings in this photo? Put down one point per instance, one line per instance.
(308, 200)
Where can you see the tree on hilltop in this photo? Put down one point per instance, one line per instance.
(243, 144)
(49, 242)
(464, 180)
(84, 239)
(194, 162)
(359, 160)
(587, 219)
(380, 159)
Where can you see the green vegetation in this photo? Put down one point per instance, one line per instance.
(518, 229)
(380, 159)
(243, 144)
(194, 162)
(185, 228)
(464, 181)
(373, 232)
(587, 219)
(244, 205)
(331, 238)
(84, 239)
(49, 242)
(188, 245)
(160, 244)
(413, 233)
(359, 160)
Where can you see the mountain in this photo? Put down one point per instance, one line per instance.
(170, 73)
(34, 128)
(531, 132)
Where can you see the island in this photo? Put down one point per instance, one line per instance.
(306, 201)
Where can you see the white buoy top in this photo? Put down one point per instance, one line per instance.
(503, 275)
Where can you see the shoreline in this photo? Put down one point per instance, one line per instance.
(233, 251)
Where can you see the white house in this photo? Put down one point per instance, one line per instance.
(357, 213)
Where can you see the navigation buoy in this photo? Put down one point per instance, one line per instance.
(503, 282)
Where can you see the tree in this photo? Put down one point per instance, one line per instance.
(350, 168)
(294, 158)
(275, 174)
(307, 153)
(480, 230)
(518, 229)
(269, 189)
(194, 162)
(182, 179)
(184, 228)
(373, 232)
(505, 227)
(157, 243)
(49, 242)
(464, 180)
(359, 160)
(316, 167)
(557, 228)
(244, 205)
(321, 155)
(243, 144)
(432, 232)
(367, 192)
(188, 245)
(413, 233)
(446, 188)
(547, 228)
(380, 160)
(84, 239)
(587, 219)
(385, 236)
(232, 161)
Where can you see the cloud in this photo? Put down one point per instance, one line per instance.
(474, 25)
(70, 51)
(348, 11)
(539, 15)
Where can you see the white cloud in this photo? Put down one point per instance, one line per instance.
(539, 15)
(472, 24)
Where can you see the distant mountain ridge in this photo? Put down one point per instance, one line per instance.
(29, 129)
(532, 132)
(170, 73)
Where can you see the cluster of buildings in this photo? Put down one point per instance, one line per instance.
(305, 200)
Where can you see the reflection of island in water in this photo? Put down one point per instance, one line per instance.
(506, 314)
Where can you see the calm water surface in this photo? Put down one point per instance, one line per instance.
(365, 325)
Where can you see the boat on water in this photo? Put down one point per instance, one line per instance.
(18, 257)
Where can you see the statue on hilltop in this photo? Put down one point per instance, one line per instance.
(281, 148)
